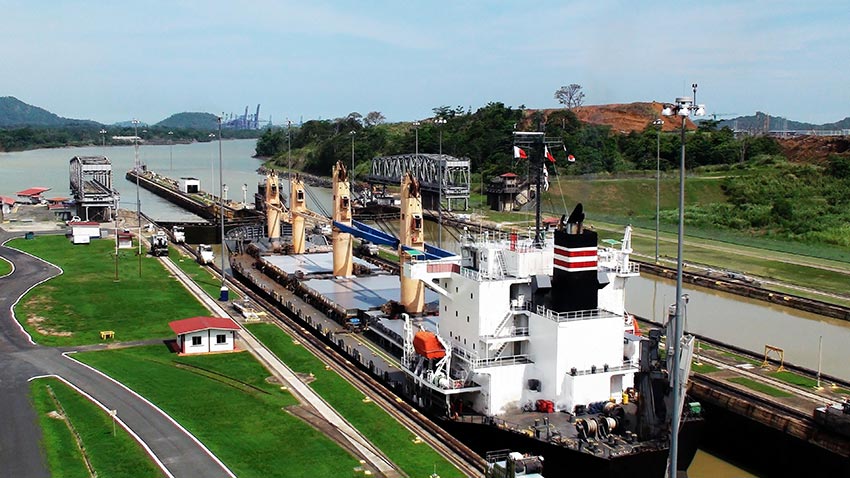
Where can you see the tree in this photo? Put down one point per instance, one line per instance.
(570, 96)
(374, 118)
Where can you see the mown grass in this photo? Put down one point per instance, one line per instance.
(760, 387)
(381, 429)
(73, 308)
(5, 267)
(111, 456)
(239, 416)
(794, 379)
(203, 276)
(704, 368)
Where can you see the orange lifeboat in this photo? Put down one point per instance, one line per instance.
(426, 344)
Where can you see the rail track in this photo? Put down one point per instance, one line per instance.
(467, 461)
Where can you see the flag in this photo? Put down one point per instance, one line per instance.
(545, 178)
(571, 158)
(548, 154)
(519, 153)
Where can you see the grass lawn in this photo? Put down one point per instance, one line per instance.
(794, 379)
(110, 456)
(199, 274)
(225, 401)
(381, 429)
(760, 387)
(73, 308)
(5, 267)
(703, 368)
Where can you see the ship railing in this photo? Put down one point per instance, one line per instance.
(500, 361)
(624, 367)
(520, 306)
(574, 315)
(620, 268)
(509, 333)
(467, 356)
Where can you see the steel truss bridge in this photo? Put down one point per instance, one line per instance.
(91, 185)
(439, 175)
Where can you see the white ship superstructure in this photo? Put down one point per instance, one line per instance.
(519, 323)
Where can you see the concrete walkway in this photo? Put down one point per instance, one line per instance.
(176, 451)
(283, 373)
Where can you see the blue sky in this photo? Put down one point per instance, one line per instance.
(112, 61)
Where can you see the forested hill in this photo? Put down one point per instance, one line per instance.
(14, 112)
(199, 121)
(761, 122)
(485, 137)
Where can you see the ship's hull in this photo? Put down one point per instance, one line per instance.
(566, 462)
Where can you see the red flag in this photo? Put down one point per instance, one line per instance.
(519, 153)
(571, 158)
(548, 154)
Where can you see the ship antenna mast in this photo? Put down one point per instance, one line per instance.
(536, 144)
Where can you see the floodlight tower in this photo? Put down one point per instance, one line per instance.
(683, 107)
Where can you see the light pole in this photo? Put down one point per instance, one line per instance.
(416, 129)
(440, 122)
(683, 107)
(289, 146)
(211, 136)
(223, 296)
(352, 133)
(138, 170)
(103, 141)
(171, 150)
(659, 123)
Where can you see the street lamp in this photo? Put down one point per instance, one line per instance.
(289, 146)
(211, 136)
(352, 133)
(103, 140)
(171, 150)
(223, 295)
(660, 123)
(138, 170)
(684, 107)
(416, 129)
(440, 122)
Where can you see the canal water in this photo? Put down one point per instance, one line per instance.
(729, 318)
(50, 168)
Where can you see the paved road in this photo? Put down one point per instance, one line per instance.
(20, 456)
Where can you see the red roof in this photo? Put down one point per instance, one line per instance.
(57, 199)
(7, 200)
(508, 175)
(83, 223)
(32, 191)
(195, 324)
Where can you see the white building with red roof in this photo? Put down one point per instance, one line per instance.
(200, 335)
(7, 204)
(31, 195)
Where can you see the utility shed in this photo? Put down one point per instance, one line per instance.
(200, 335)
(502, 192)
(83, 231)
(190, 185)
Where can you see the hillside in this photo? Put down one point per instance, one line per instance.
(199, 121)
(14, 112)
(762, 122)
(814, 148)
(622, 118)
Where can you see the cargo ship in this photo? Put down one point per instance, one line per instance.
(512, 342)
